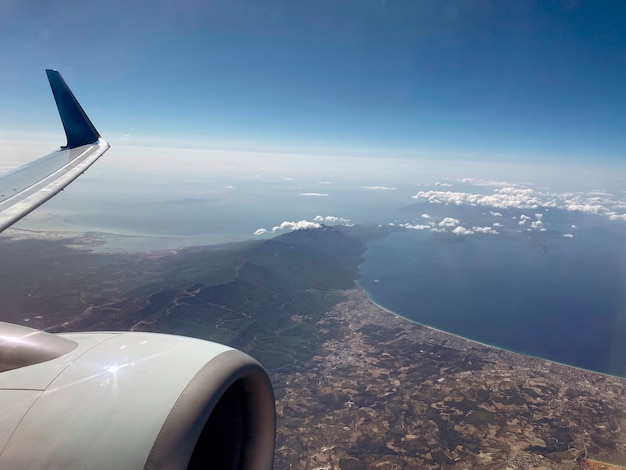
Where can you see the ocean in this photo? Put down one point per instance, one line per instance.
(558, 298)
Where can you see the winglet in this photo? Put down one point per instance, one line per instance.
(78, 128)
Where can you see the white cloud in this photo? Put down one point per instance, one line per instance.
(324, 182)
(588, 208)
(501, 198)
(449, 222)
(416, 227)
(524, 217)
(497, 224)
(536, 224)
(425, 216)
(591, 203)
(568, 235)
(517, 197)
(304, 224)
(314, 194)
(301, 225)
(444, 185)
(481, 182)
(331, 219)
(462, 231)
(489, 230)
(379, 188)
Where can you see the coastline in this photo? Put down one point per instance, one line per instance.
(369, 297)
(461, 341)
(384, 390)
(100, 242)
(539, 358)
(368, 388)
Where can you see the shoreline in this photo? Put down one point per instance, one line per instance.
(486, 345)
(100, 242)
(104, 243)
(383, 390)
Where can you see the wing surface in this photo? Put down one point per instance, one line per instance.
(24, 189)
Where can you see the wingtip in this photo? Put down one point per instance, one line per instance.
(78, 128)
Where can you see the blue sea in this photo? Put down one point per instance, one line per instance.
(563, 299)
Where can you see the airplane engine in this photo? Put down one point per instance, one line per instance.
(131, 400)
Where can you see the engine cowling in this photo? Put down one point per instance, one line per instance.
(131, 400)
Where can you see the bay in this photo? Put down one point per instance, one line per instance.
(562, 299)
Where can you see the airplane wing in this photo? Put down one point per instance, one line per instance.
(27, 187)
(118, 399)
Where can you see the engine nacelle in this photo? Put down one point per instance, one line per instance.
(131, 400)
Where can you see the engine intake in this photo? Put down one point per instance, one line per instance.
(224, 419)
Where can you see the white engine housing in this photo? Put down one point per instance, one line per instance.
(131, 400)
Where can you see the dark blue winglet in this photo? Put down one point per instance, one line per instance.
(78, 128)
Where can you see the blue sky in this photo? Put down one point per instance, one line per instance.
(463, 80)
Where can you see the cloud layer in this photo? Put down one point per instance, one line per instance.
(516, 197)
(317, 222)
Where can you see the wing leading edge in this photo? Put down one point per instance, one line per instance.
(24, 189)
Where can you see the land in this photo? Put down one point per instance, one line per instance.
(382, 392)
(356, 386)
